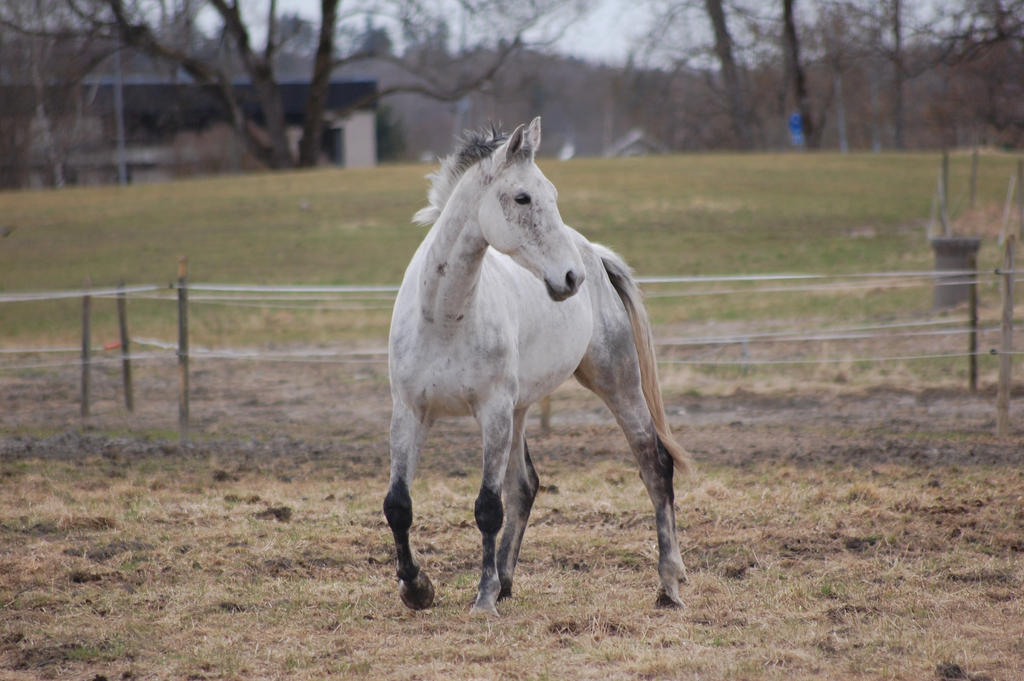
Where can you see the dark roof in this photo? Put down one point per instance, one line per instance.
(340, 95)
(199, 104)
(152, 106)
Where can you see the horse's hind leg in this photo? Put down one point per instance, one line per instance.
(521, 485)
(617, 382)
(407, 435)
(496, 421)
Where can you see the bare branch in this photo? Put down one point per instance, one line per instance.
(141, 36)
(271, 47)
(428, 84)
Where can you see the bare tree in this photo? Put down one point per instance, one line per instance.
(323, 65)
(896, 56)
(833, 29)
(846, 33)
(982, 49)
(738, 111)
(49, 63)
(141, 25)
(797, 75)
(975, 25)
(676, 35)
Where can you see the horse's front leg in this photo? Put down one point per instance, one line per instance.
(496, 426)
(407, 435)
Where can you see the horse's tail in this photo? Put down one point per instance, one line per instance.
(623, 283)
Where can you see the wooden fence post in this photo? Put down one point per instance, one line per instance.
(974, 176)
(126, 362)
(944, 195)
(1020, 200)
(972, 320)
(1010, 189)
(86, 346)
(183, 348)
(1006, 341)
(929, 231)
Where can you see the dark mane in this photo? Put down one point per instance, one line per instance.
(473, 147)
(476, 145)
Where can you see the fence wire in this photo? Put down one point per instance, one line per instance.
(380, 297)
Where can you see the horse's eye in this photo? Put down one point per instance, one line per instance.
(522, 198)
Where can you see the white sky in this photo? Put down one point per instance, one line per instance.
(610, 31)
(607, 33)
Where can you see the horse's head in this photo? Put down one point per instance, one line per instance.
(519, 215)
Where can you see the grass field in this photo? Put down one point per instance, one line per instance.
(700, 214)
(696, 214)
(846, 521)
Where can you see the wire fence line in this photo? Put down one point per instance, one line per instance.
(701, 279)
(134, 357)
(832, 360)
(380, 358)
(76, 293)
(807, 288)
(327, 356)
(897, 337)
(280, 299)
(957, 277)
(379, 297)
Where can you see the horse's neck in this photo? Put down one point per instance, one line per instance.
(451, 267)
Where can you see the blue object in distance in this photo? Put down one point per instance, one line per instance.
(796, 129)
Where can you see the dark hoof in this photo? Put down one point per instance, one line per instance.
(666, 601)
(417, 594)
(506, 590)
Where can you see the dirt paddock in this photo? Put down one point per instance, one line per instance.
(873, 532)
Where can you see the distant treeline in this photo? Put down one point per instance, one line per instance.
(706, 75)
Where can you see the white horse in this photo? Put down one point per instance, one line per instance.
(501, 303)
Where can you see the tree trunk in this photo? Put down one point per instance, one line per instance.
(269, 95)
(897, 75)
(313, 126)
(260, 69)
(42, 118)
(796, 73)
(140, 35)
(844, 146)
(730, 75)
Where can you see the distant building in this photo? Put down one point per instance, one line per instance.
(171, 129)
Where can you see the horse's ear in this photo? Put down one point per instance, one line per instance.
(514, 147)
(533, 135)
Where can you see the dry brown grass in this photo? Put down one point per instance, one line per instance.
(160, 563)
(835, 530)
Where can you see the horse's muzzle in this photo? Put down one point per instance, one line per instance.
(566, 288)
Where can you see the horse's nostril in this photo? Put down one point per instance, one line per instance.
(570, 280)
